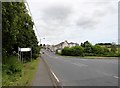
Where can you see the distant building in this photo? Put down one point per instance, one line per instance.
(61, 45)
(71, 44)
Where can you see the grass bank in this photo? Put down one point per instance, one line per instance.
(88, 57)
(22, 78)
(97, 57)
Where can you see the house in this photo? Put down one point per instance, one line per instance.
(71, 44)
(61, 45)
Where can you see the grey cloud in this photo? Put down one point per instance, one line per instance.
(106, 7)
(56, 14)
(54, 19)
(102, 9)
(86, 23)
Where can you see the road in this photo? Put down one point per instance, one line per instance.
(74, 71)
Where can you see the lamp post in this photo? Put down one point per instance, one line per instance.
(41, 39)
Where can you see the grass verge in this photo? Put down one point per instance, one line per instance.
(28, 72)
(97, 57)
(24, 78)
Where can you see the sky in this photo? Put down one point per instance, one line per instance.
(75, 20)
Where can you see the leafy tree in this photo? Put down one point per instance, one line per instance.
(77, 51)
(106, 50)
(87, 47)
(113, 48)
(66, 51)
(17, 29)
(73, 51)
(97, 49)
(41, 45)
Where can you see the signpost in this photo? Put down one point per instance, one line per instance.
(21, 51)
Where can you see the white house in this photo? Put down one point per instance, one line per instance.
(61, 45)
(71, 44)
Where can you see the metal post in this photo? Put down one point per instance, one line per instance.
(18, 53)
(20, 56)
(31, 54)
(40, 41)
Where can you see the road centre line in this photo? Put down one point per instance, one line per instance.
(80, 64)
(116, 77)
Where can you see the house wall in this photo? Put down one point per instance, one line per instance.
(71, 45)
(62, 45)
(65, 44)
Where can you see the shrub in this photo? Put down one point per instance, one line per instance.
(77, 51)
(11, 65)
(73, 51)
(66, 51)
(97, 49)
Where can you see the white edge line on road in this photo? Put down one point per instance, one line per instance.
(116, 77)
(55, 76)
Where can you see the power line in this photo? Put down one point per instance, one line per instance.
(33, 19)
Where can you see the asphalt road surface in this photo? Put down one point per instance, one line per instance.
(74, 71)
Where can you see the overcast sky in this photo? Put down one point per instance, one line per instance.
(75, 20)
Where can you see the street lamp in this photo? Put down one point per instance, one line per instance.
(41, 39)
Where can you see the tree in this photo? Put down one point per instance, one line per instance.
(106, 51)
(87, 47)
(17, 28)
(97, 49)
(77, 51)
(41, 45)
(113, 48)
(73, 51)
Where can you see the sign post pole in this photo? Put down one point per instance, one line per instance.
(18, 54)
(21, 50)
(31, 55)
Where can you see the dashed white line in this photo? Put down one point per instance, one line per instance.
(80, 64)
(116, 77)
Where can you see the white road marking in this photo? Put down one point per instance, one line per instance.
(116, 77)
(83, 59)
(80, 64)
(55, 76)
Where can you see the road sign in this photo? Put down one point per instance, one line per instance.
(20, 52)
(24, 49)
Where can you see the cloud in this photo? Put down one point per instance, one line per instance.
(56, 14)
(97, 12)
(86, 22)
(59, 20)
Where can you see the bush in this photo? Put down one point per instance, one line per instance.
(97, 49)
(77, 51)
(35, 56)
(73, 51)
(66, 51)
(11, 65)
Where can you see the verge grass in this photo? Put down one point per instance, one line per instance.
(23, 78)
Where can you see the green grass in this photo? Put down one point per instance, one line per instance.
(90, 57)
(22, 78)
(28, 72)
(97, 57)
(0, 74)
